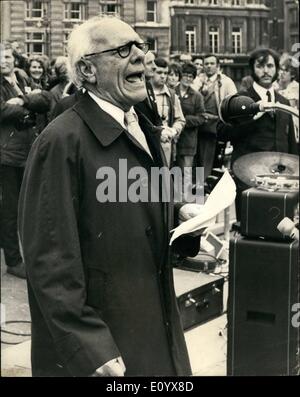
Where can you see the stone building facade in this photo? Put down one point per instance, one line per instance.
(42, 27)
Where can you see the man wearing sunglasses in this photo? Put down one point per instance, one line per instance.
(99, 278)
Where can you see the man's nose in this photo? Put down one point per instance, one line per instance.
(137, 54)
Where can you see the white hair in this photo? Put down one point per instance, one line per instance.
(84, 39)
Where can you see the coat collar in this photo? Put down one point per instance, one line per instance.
(189, 92)
(104, 127)
(107, 129)
(253, 94)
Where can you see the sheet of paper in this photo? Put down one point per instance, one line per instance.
(222, 196)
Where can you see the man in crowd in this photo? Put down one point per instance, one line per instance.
(169, 109)
(148, 106)
(267, 131)
(20, 58)
(61, 72)
(185, 58)
(216, 86)
(19, 103)
(99, 276)
(198, 80)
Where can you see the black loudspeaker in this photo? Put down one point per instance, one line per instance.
(263, 334)
(263, 210)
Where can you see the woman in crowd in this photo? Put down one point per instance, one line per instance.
(287, 83)
(288, 86)
(37, 73)
(38, 82)
(174, 75)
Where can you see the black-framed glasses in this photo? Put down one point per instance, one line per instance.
(124, 50)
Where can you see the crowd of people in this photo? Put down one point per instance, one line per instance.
(183, 99)
(84, 312)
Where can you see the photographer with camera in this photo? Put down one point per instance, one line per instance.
(20, 102)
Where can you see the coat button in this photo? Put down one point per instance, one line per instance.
(149, 231)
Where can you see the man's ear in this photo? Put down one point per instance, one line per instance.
(87, 70)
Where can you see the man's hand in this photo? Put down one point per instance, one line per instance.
(35, 91)
(167, 134)
(260, 114)
(15, 101)
(189, 211)
(209, 117)
(114, 367)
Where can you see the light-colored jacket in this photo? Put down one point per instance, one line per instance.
(224, 87)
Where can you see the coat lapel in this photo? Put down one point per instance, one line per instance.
(253, 94)
(110, 130)
(104, 127)
(282, 122)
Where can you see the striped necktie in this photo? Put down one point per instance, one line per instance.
(134, 129)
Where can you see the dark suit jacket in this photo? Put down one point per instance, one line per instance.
(99, 274)
(274, 134)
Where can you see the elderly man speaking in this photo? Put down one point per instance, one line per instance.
(100, 283)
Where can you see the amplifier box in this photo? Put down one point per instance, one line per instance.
(263, 330)
(199, 296)
(263, 210)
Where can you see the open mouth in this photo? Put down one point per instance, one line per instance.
(135, 77)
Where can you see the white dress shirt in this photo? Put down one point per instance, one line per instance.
(119, 115)
(262, 92)
(114, 111)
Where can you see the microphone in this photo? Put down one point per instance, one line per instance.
(236, 109)
(288, 228)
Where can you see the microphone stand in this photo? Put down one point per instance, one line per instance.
(279, 106)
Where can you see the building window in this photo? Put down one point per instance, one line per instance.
(214, 40)
(35, 9)
(293, 16)
(235, 2)
(152, 44)
(35, 43)
(74, 11)
(236, 40)
(110, 7)
(190, 39)
(189, 2)
(151, 11)
(213, 2)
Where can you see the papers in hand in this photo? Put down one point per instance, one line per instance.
(220, 198)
